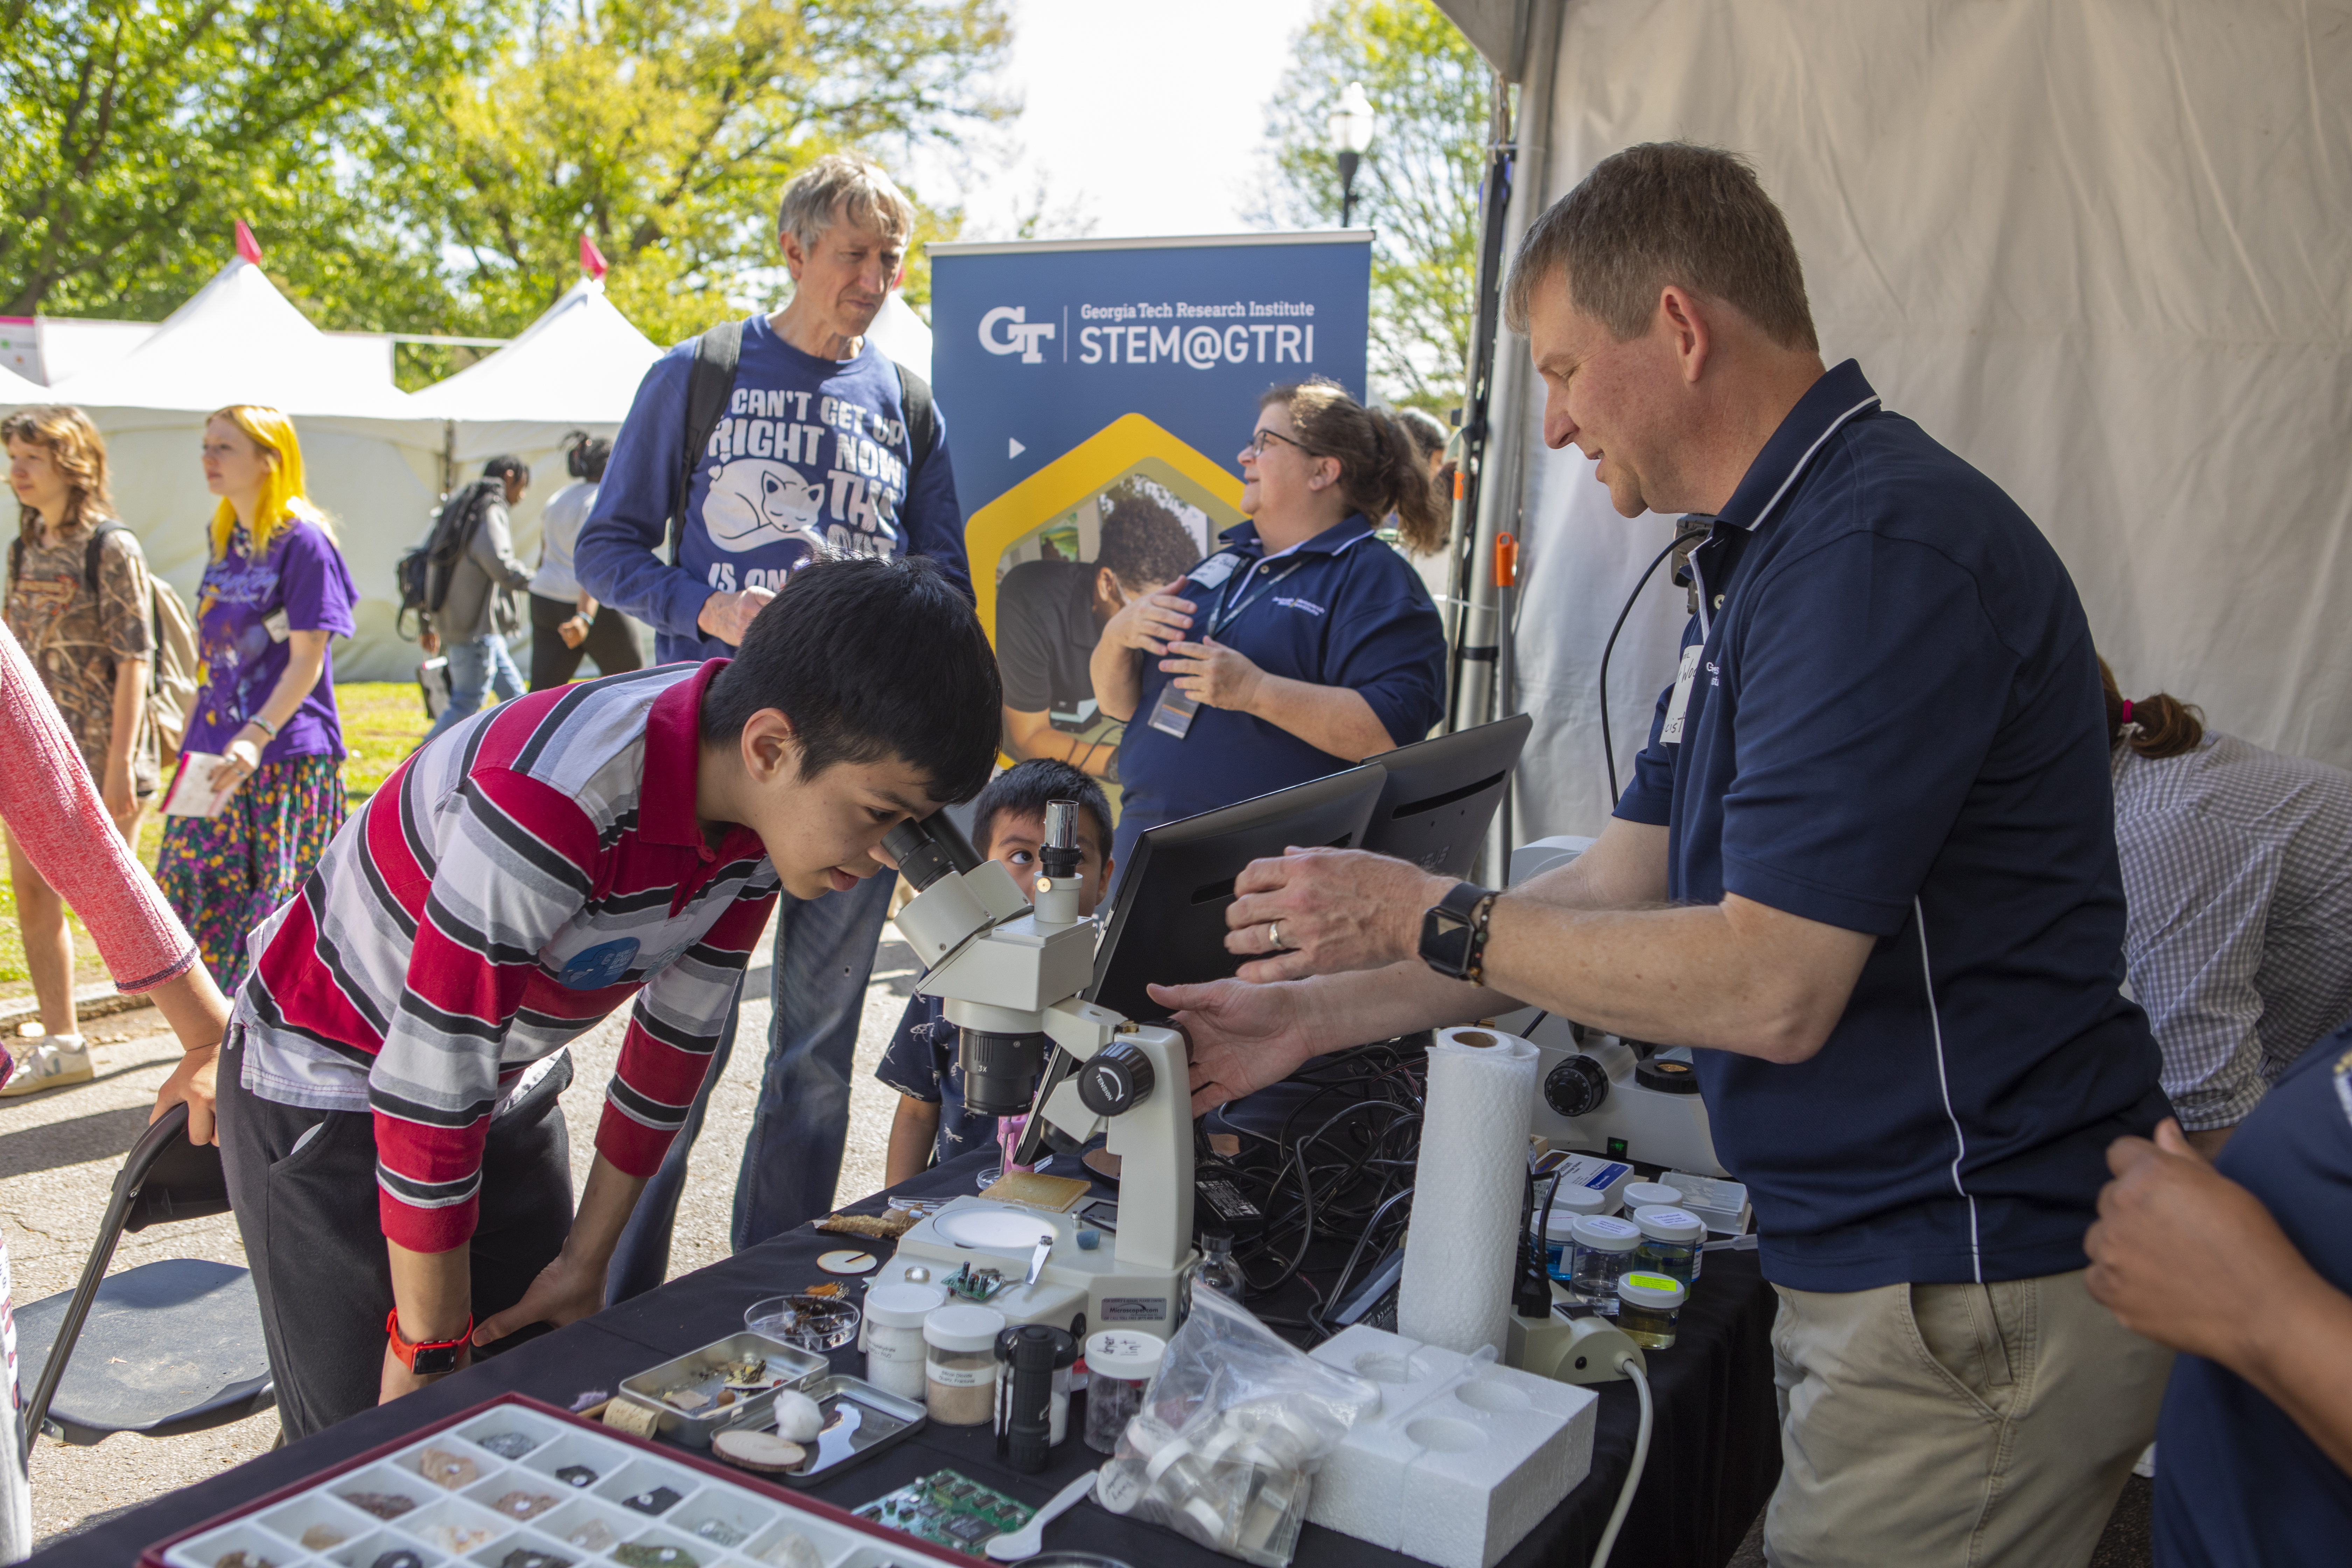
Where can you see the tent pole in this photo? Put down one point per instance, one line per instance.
(1484, 695)
(448, 457)
(1466, 658)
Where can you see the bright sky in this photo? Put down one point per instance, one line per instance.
(1147, 117)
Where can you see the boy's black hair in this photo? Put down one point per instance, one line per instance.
(1025, 787)
(869, 659)
(507, 467)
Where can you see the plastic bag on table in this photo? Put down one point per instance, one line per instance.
(1232, 1429)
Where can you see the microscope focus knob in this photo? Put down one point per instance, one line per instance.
(1577, 1087)
(1116, 1080)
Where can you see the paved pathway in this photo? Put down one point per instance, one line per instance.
(59, 1153)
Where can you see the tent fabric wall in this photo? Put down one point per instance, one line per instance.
(2098, 248)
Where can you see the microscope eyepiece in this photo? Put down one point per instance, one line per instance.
(930, 849)
(1059, 856)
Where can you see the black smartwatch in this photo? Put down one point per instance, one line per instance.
(1453, 932)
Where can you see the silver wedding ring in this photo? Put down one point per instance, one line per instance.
(1273, 934)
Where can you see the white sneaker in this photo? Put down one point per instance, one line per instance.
(45, 1062)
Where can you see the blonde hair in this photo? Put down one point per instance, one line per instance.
(74, 444)
(844, 185)
(281, 500)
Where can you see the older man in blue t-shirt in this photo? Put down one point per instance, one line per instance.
(823, 444)
(1865, 862)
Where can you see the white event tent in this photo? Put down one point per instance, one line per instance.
(15, 390)
(2098, 249)
(372, 460)
(575, 368)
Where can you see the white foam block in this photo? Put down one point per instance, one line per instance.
(1464, 1474)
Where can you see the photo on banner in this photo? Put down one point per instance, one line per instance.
(1101, 391)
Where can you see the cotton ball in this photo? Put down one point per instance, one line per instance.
(798, 1419)
(794, 1552)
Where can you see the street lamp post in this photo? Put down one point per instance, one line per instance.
(1352, 125)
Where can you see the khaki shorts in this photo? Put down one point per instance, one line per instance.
(1945, 1426)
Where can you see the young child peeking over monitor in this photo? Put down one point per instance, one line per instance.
(1008, 825)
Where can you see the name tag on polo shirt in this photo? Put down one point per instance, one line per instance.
(1172, 714)
(1213, 573)
(1671, 734)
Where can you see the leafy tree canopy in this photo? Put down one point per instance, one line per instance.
(1418, 185)
(428, 166)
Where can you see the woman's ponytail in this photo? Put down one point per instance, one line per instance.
(1381, 470)
(2156, 727)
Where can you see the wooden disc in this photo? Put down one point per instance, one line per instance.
(757, 1450)
(848, 1262)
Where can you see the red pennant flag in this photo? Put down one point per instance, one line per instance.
(247, 247)
(591, 260)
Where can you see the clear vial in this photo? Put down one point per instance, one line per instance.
(1671, 1238)
(1648, 1307)
(1214, 1268)
(1604, 1249)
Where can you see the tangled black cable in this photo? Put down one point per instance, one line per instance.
(1342, 1179)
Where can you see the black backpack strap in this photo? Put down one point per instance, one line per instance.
(15, 559)
(922, 419)
(94, 551)
(709, 382)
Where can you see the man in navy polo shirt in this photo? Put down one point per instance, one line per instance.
(1865, 861)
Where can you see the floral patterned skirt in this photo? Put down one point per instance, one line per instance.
(224, 875)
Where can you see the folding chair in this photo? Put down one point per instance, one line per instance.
(168, 1347)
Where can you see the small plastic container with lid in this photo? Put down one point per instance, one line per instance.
(959, 1368)
(1559, 1243)
(1648, 1195)
(1648, 1307)
(895, 1353)
(1120, 1364)
(1605, 1251)
(1671, 1238)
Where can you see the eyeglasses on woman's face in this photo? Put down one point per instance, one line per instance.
(1257, 442)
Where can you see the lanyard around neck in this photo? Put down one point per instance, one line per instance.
(1224, 617)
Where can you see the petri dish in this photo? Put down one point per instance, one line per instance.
(812, 1322)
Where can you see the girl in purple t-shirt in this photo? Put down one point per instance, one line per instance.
(275, 591)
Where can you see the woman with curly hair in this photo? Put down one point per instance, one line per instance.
(275, 590)
(78, 600)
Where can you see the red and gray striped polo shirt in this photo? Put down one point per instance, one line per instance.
(509, 887)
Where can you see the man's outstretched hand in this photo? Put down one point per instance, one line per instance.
(1334, 911)
(1243, 1037)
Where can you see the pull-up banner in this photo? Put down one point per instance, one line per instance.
(1097, 393)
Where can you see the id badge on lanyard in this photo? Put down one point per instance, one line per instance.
(1670, 733)
(1174, 712)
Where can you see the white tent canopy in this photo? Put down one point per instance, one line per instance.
(15, 390)
(2098, 251)
(371, 461)
(902, 334)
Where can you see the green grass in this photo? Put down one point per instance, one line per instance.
(382, 721)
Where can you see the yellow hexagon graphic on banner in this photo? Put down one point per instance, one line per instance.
(1129, 445)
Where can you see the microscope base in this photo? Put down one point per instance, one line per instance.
(1111, 1292)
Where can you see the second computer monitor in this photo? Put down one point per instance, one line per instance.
(1441, 794)
(1167, 921)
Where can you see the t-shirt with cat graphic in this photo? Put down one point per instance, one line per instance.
(812, 454)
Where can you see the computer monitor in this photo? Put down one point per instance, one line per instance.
(1441, 794)
(1168, 919)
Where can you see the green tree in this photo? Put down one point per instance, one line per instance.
(133, 133)
(1418, 185)
(665, 128)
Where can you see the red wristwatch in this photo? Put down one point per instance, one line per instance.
(433, 1356)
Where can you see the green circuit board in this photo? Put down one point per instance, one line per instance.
(950, 1510)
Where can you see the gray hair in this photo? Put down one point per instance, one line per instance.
(844, 185)
(1665, 213)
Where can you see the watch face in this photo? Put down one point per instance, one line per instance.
(1445, 943)
(427, 1360)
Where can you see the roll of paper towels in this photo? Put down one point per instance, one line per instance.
(1467, 1191)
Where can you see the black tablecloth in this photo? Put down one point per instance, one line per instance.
(1713, 1460)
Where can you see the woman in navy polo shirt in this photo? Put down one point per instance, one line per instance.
(1304, 646)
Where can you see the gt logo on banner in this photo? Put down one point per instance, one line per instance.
(1021, 338)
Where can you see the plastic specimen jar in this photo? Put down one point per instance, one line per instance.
(960, 1367)
(895, 1353)
(1605, 1251)
(1648, 1307)
(1647, 1195)
(1560, 1244)
(1120, 1364)
(1671, 1238)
